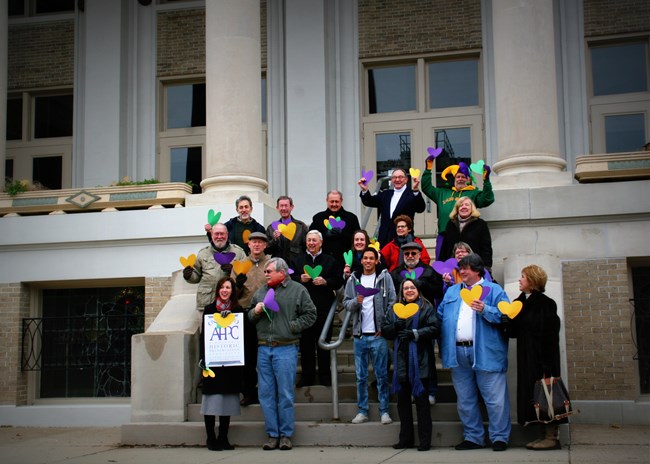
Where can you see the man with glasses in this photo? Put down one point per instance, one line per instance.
(279, 319)
(206, 271)
(401, 199)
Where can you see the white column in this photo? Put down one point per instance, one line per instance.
(141, 124)
(306, 105)
(99, 103)
(233, 98)
(4, 52)
(525, 91)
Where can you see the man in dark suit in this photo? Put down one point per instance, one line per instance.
(337, 239)
(401, 199)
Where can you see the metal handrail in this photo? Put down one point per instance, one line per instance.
(332, 346)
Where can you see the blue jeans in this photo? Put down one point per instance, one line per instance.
(276, 378)
(366, 347)
(494, 390)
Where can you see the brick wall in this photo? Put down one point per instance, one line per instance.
(598, 330)
(606, 17)
(395, 27)
(41, 55)
(14, 306)
(157, 291)
(181, 41)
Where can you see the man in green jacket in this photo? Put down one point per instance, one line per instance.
(445, 198)
(280, 316)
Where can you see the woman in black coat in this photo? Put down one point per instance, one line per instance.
(414, 363)
(467, 226)
(220, 385)
(537, 330)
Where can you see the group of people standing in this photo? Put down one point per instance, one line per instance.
(400, 308)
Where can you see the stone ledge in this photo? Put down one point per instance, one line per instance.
(613, 167)
(95, 199)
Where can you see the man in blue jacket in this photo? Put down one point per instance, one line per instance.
(477, 354)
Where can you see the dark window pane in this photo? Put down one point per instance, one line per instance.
(53, 116)
(48, 171)
(16, 7)
(391, 89)
(457, 146)
(86, 341)
(453, 83)
(619, 69)
(54, 6)
(9, 169)
(185, 106)
(641, 289)
(15, 119)
(186, 166)
(263, 99)
(393, 151)
(625, 132)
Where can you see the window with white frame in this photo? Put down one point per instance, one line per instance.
(619, 95)
(182, 130)
(416, 103)
(39, 138)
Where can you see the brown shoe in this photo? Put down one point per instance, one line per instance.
(285, 444)
(533, 443)
(546, 444)
(271, 444)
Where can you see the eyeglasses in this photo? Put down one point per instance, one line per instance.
(408, 289)
(268, 271)
(411, 253)
(401, 226)
(398, 177)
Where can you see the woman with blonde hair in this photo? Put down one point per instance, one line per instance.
(466, 225)
(537, 330)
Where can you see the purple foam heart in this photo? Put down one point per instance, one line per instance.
(275, 224)
(484, 293)
(289, 271)
(445, 267)
(337, 223)
(224, 258)
(269, 301)
(413, 274)
(368, 175)
(433, 153)
(365, 291)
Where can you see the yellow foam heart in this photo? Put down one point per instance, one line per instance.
(510, 309)
(374, 244)
(207, 372)
(415, 172)
(242, 267)
(470, 295)
(189, 261)
(405, 311)
(288, 230)
(245, 235)
(224, 321)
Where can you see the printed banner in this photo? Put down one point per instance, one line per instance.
(224, 340)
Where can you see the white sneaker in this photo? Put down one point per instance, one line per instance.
(360, 419)
(385, 419)
(432, 400)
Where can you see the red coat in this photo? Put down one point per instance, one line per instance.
(390, 254)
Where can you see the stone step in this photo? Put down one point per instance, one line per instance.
(307, 433)
(322, 412)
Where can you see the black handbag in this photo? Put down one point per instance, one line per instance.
(551, 400)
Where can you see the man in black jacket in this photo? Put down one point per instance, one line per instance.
(319, 274)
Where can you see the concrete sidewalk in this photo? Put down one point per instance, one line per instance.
(590, 444)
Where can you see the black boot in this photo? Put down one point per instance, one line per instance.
(222, 439)
(211, 443)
